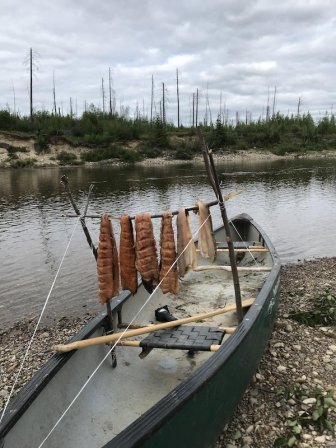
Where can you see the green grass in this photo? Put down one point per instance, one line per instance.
(323, 311)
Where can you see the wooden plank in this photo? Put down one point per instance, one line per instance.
(248, 249)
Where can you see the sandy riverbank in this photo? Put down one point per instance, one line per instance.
(296, 354)
(25, 154)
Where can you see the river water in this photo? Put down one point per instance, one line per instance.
(294, 201)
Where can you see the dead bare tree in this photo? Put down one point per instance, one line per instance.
(110, 91)
(268, 106)
(193, 110)
(178, 99)
(163, 104)
(31, 61)
(152, 100)
(274, 96)
(54, 94)
(103, 94)
(31, 83)
(298, 107)
(14, 98)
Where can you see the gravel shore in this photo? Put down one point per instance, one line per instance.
(296, 354)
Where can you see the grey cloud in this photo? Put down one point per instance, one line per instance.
(239, 47)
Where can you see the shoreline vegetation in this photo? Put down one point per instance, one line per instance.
(98, 138)
(290, 401)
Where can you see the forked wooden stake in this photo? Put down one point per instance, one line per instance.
(214, 182)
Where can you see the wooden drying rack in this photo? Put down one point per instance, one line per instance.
(193, 208)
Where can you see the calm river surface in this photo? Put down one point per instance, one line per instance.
(294, 201)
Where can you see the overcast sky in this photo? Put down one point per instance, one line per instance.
(241, 48)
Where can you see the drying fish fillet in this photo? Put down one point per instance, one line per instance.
(128, 272)
(146, 254)
(168, 256)
(107, 262)
(186, 261)
(206, 240)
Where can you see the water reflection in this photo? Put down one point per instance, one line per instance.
(294, 201)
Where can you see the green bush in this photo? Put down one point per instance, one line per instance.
(22, 163)
(42, 143)
(130, 156)
(149, 152)
(112, 152)
(66, 158)
(183, 154)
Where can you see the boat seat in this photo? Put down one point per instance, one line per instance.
(185, 337)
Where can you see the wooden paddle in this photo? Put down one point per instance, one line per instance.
(150, 329)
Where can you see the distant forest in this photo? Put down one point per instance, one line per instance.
(110, 135)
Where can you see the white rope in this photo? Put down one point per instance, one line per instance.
(38, 323)
(120, 337)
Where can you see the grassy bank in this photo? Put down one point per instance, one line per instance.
(99, 137)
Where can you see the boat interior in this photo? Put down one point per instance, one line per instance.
(131, 379)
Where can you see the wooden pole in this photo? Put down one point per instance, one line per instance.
(65, 182)
(111, 318)
(149, 329)
(213, 179)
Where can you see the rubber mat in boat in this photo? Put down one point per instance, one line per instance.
(184, 338)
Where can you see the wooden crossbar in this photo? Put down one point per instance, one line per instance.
(249, 249)
(217, 267)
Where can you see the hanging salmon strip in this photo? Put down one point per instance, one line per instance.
(187, 258)
(146, 254)
(168, 256)
(128, 272)
(107, 262)
(206, 240)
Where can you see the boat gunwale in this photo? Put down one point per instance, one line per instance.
(176, 398)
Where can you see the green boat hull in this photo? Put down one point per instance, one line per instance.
(194, 414)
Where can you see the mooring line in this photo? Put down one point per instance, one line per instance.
(38, 322)
(120, 337)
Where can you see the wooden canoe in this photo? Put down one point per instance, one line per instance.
(173, 397)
